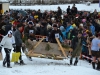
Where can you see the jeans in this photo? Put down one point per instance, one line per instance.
(7, 57)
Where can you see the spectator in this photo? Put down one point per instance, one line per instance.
(7, 42)
(92, 29)
(54, 32)
(29, 33)
(95, 48)
(59, 12)
(68, 10)
(76, 46)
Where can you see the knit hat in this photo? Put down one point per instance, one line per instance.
(81, 24)
(74, 25)
(10, 32)
(49, 27)
(83, 20)
(62, 28)
(30, 23)
(37, 25)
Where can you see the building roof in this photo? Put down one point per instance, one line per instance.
(4, 1)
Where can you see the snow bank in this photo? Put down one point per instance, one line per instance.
(80, 7)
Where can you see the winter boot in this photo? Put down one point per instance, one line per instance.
(75, 63)
(90, 59)
(93, 65)
(4, 62)
(9, 67)
(98, 65)
(71, 61)
(22, 62)
(4, 65)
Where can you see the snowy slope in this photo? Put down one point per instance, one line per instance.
(41, 66)
(91, 8)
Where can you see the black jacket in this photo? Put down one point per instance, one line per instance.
(43, 31)
(18, 38)
(27, 32)
(69, 11)
(75, 42)
(52, 35)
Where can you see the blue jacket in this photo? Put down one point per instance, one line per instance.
(92, 29)
(68, 28)
(64, 36)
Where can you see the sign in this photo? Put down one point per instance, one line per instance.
(57, 35)
(31, 31)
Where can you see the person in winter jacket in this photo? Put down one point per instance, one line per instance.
(2, 33)
(63, 32)
(30, 31)
(85, 45)
(76, 46)
(43, 29)
(53, 34)
(7, 42)
(19, 43)
(92, 29)
(95, 48)
(49, 29)
(59, 12)
(68, 10)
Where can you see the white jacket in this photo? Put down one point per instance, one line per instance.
(7, 42)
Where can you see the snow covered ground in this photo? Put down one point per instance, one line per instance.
(91, 8)
(41, 66)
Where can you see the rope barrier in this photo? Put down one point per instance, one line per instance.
(87, 57)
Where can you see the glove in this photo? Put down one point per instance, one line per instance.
(14, 46)
(14, 49)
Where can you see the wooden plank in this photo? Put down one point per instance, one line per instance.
(45, 56)
(36, 55)
(41, 49)
(69, 49)
(61, 47)
(38, 42)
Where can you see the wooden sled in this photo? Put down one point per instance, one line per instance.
(48, 50)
